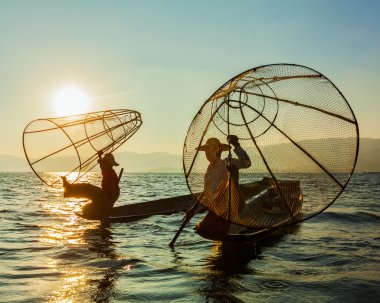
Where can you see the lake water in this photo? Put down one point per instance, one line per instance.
(48, 254)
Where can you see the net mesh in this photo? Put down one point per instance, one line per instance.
(70, 144)
(298, 131)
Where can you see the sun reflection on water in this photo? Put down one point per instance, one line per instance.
(66, 228)
(79, 239)
(73, 285)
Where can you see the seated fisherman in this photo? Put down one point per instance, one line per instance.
(101, 198)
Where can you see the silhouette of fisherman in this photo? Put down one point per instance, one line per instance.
(102, 198)
(216, 183)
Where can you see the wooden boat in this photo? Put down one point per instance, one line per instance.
(255, 193)
(166, 206)
(136, 211)
(273, 220)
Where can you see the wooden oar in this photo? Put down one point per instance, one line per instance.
(189, 214)
(109, 208)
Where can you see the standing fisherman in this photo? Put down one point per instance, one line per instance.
(102, 198)
(216, 183)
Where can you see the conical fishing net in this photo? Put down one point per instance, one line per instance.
(300, 135)
(70, 144)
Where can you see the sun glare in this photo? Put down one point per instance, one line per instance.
(71, 101)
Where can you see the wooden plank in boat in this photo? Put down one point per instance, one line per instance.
(131, 212)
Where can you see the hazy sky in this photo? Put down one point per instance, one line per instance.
(165, 58)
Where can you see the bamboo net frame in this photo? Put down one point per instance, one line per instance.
(70, 144)
(299, 132)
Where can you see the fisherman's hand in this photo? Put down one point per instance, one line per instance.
(100, 153)
(234, 140)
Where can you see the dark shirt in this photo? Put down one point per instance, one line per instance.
(110, 180)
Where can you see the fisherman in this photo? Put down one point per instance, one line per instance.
(110, 180)
(102, 198)
(216, 182)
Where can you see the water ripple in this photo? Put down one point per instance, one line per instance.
(49, 254)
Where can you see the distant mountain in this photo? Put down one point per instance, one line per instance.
(151, 162)
(132, 162)
(13, 164)
(369, 156)
(368, 160)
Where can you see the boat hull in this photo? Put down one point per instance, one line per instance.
(270, 221)
(136, 211)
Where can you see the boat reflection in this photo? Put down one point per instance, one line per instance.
(230, 262)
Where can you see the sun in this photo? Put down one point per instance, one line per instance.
(71, 101)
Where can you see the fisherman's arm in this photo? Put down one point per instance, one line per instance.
(243, 157)
(243, 160)
(100, 160)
